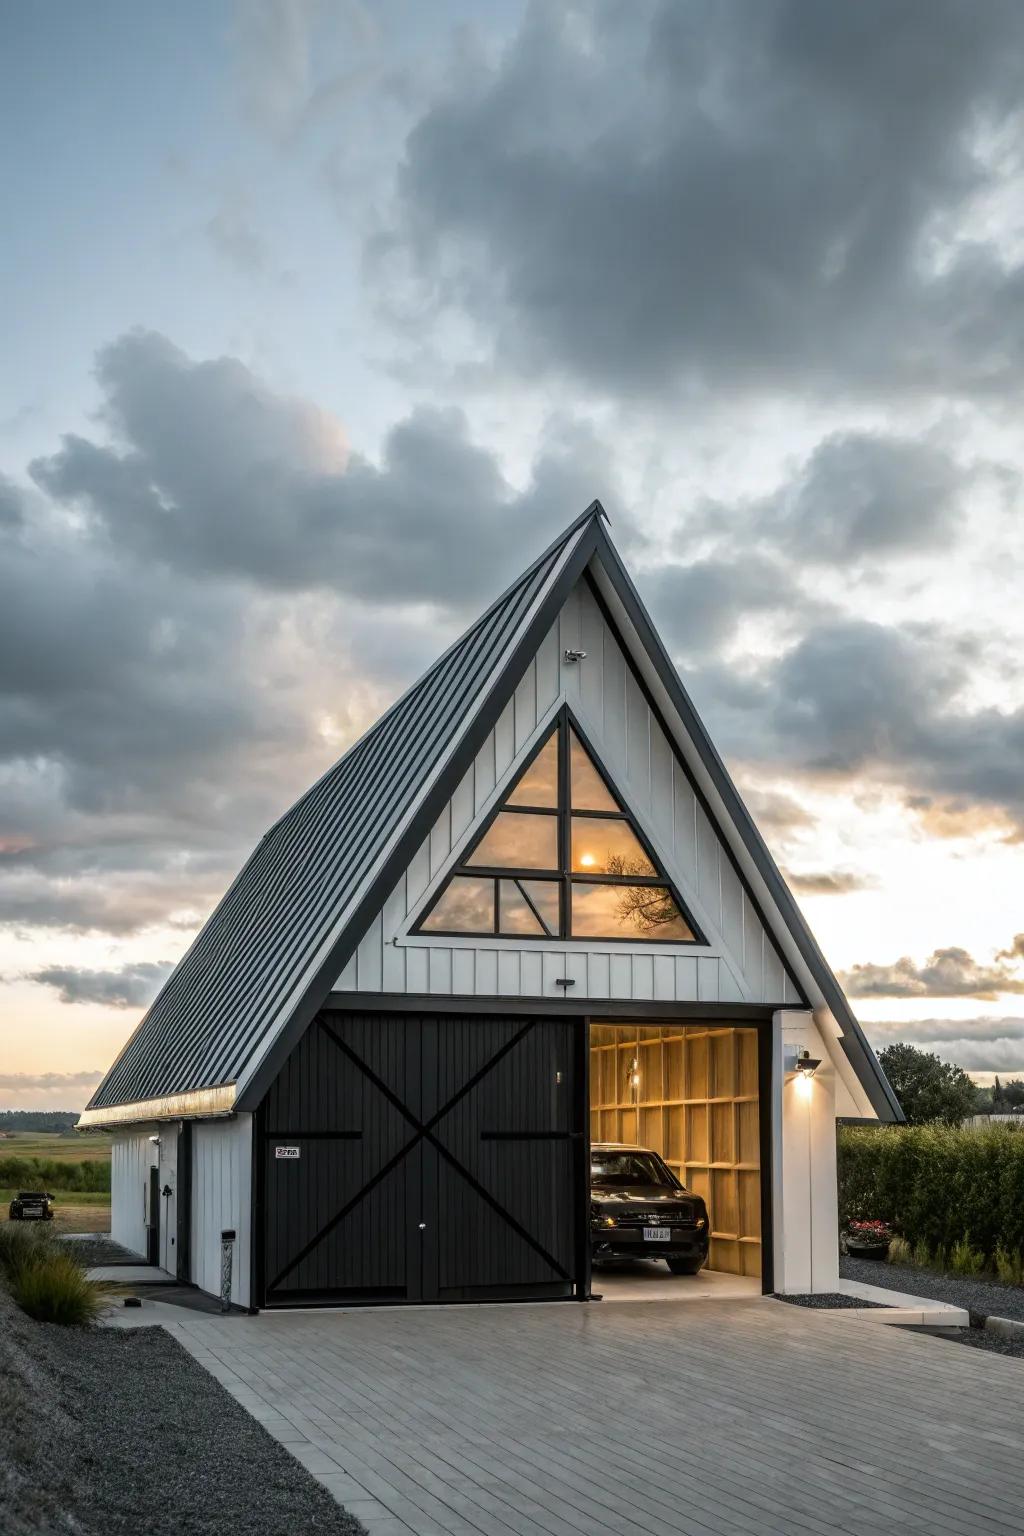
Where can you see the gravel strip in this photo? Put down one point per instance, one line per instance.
(96, 1248)
(111, 1432)
(830, 1300)
(981, 1298)
(976, 1338)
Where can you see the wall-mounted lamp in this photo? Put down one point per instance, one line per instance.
(805, 1067)
(574, 656)
(155, 1140)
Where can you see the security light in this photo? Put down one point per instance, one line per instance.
(805, 1067)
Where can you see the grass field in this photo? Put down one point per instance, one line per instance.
(77, 1149)
(75, 1210)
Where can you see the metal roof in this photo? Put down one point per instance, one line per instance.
(266, 959)
(228, 993)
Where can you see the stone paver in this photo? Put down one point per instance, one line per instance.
(745, 1418)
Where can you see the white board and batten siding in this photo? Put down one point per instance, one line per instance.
(222, 1201)
(738, 964)
(132, 1155)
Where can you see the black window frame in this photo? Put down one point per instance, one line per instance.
(564, 723)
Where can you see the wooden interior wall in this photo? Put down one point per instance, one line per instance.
(695, 1103)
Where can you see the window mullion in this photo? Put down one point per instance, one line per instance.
(564, 826)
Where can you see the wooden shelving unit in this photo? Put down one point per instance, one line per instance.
(692, 1096)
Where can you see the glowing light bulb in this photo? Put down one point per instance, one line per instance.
(804, 1084)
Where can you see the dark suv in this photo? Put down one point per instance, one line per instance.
(639, 1210)
(27, 1206)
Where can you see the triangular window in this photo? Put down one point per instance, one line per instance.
(560, 858)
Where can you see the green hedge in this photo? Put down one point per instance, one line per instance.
(936, 1184)
(54, 1173)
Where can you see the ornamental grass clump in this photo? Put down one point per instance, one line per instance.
(1009, 1265)
(964, 1259)
(21, 1244)
(52, 1288)
(44, 1277)
(900, 1251)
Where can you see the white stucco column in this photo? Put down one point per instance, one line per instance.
(804, 1194)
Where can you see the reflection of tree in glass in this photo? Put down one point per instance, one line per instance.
(647, 907)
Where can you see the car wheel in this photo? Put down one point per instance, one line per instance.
(15, 1215)
(684, 1266)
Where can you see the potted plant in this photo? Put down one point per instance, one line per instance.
(868, 1239)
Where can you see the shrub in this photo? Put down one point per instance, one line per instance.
(937, 1185)
(52, 1288)
(54, 1173)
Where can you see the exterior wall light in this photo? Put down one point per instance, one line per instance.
(805, 1067)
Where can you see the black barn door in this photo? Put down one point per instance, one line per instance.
(425, 1158)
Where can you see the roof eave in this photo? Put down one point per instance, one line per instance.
(197, 1104)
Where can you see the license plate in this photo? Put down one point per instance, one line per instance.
(658, 1234)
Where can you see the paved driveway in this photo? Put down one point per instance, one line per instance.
(574, 1420)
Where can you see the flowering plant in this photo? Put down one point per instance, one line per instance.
(875, 1229)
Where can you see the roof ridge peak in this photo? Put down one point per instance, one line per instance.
(594, 510)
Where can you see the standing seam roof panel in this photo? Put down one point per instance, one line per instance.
(213, 1012)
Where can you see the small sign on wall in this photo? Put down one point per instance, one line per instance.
(286, 1152)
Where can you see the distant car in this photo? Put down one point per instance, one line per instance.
(639, 1210)
(27, 1206)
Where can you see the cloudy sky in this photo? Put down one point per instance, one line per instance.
(319, 318)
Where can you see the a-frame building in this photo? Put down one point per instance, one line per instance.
(528, 909)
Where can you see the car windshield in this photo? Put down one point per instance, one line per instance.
(608, 1169)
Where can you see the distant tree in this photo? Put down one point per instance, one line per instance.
(927, 1088)
(37, 1119)
(997, 1095)
(1013, 1093)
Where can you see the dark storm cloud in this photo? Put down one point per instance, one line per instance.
(951, 972)
(10, 503)
(914, 1031)
(215, 475)
(702, 605)
(978, 1045)
(861, 497)
(129, 986)
(198, 615)
(709, 190)
(853, 701)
